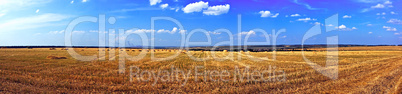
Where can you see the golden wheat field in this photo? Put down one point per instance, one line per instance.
(43, 70)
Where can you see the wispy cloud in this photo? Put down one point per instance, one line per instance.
(307, 5)
(306, 19)
(32, 22)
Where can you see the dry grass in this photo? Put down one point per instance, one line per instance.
(56, 57)
(373, 70)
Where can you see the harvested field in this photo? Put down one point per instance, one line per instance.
(360, 70)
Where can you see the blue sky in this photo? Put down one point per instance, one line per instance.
(43, 22)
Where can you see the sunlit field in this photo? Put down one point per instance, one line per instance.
(361, 70)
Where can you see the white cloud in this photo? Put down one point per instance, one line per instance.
(72, 2)
(330, 25)
(370, 32)
(317, 23)
(378, 6)
(295, 15)
(195, 7)
(251, 32)
(389, 28)
(397, 33)
(56, 32)
(163, 6)
(36, 21)
(306, 19)
(393, 12)
(173, 31)
(84, 1)
(37, 11)
(394, 21)
(369, 24)
(217, 10)
(347, 16)
(78, 32)
(214, 33)
(182, 31)
(268, 14)
(342, 27)
(154, 2)
(387, 2)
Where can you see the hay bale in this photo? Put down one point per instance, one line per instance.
(169, 50)
(82, 49)
(56, 57)
(225, 50)
(52, 48)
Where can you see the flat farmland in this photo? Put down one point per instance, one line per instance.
(359, 70)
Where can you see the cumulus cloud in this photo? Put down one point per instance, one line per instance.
(378, 6)
(383, 5)
(205, 8)
(393, 12)
(306, 19)
(217, 10)
(347, 16)
(84, 1)
(195, 7)
(295, 15)
(163, 6)
(268, 14)
(72, 2)
(154, 2)
(386, 4)
(383, 13)
(344, 28)
(370, 32)
(389, 28)
(394, 21)
(37, 11)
